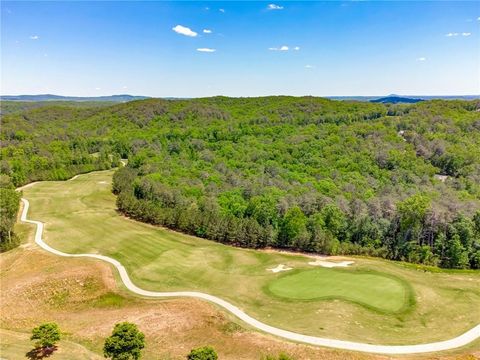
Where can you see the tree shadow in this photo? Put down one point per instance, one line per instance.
(40, 352)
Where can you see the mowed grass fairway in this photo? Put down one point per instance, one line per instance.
(372, 301)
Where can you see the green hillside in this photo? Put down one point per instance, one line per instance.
(396, 181)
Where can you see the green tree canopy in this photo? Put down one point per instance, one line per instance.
(203, 353)
(46, 335)
(125, 343)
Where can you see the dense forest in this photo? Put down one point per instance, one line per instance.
(335, 177)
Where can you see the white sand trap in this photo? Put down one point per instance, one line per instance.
(330, 264)
(102, 182)
(279, 268)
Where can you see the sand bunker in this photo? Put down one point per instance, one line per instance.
(279, 268)
(102, 182)
(330, 264)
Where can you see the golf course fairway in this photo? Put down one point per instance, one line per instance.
(80, 218)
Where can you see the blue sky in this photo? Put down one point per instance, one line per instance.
(152, 48)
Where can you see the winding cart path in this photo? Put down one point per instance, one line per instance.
(459, 341)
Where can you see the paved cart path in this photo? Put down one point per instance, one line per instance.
(459, 341)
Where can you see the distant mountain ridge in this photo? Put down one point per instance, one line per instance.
(396, 100)
(404, 98)
(51, 97)
(392, 98)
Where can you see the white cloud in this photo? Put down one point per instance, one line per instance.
(221, 10)
(34, 37)
(206, 50)
(421, 59)
(97, 88)
(125, 87)
(274, 7)
(281, 48)
(457, 34)
(207, 31)
(309, 66)
(179, 29)
(284, 48)
(478, 18)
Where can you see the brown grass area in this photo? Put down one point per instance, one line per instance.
(38, 287)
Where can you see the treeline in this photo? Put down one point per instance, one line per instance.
(396, 181)
(410, 234)
(9, 206)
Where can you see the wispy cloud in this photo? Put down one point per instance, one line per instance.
(221, 10)
(34, 37)
(274, 7)
(421, 59)
(309, 66)
(452, 34)
(284, 48)
(208, 50)
(207, 31)
(183, 30)
(281, 48)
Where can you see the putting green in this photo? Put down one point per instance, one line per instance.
(374, 290)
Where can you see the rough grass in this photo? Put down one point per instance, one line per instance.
(172, 327)
(16, 345)
(81, 217)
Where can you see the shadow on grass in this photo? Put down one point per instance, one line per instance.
(40, 352)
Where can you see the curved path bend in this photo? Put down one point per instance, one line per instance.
(459, 341)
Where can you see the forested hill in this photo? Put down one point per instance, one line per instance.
(398, 181)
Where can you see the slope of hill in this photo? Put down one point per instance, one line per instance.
(12, 106)
(300, 173)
